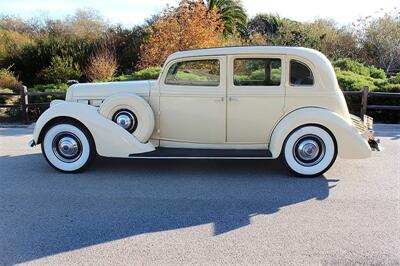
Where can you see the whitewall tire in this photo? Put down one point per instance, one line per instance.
(309, 151)
(68, 147)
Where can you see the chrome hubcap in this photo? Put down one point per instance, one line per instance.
(67, 147)
(126, 120)
(309, 150)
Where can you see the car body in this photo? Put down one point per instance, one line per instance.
(235, 102)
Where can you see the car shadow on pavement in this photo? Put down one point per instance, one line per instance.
(45, 212)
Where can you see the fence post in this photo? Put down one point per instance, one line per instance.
(364, 102)
(24, 104)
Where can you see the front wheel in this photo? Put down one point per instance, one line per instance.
(309, 151)
(68, 147)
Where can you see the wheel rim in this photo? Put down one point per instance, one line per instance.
(67, 147)
(309, 150)
(126, 120)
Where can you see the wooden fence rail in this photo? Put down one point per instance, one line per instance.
(365, 94)
(24, 103)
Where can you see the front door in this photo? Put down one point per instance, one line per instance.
(193, 100)
(255, 97)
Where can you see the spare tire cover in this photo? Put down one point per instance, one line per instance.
(138, 106)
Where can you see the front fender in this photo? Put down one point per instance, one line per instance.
(350, 142)
(110, 139)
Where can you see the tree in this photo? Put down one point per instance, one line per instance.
(293, 33)
(188, 26)
(84, 23)
(322, 35)
(127, 44)
(232, 13)
(267, 25)
(335, 42)
(380, 41)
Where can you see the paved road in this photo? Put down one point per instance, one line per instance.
(198, 212)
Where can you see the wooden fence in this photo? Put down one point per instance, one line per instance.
(365, 94)
(24, 103)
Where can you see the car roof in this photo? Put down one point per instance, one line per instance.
(238, 50)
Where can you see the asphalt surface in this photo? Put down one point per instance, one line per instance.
(198, 211)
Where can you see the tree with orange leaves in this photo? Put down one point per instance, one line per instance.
(188, 26)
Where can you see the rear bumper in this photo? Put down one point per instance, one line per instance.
(31, 143)
(365, 128)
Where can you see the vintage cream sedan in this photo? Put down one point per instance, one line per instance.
(235, 102)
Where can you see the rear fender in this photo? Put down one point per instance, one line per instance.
(350, 142)
(110, 139)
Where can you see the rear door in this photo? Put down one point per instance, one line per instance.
(255, 96)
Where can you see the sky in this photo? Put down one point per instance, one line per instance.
(133, 12)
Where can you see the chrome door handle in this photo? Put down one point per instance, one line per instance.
(220, 99)
(233, 99)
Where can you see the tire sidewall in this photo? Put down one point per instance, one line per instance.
(85, 139)
(326, 162)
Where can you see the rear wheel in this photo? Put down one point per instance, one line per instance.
(309, 151)
(68, 147)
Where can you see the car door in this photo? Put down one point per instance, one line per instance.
(255, 96)
(192, 100)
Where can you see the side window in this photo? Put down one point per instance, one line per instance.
(300, 74)
(256, 72)
(194, 73)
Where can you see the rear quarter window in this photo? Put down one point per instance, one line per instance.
(300, 74)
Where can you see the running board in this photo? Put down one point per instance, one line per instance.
(181, 153)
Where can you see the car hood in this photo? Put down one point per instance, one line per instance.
(100, 91)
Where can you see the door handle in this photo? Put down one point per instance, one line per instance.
(220, 99)
(233, 99)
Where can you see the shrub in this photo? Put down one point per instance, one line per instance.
(377, 73)
(390, 88)
(7, 99)
(147, 73)
(9, 81)
(62, 87)
(29, 60)
(395, 79)
(144, 74)
(348, 64)
(60, 70)
(102, 64)
(350, 81)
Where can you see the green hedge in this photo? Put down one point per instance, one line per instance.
(353, 76)
(348, 64)
(144, 74)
